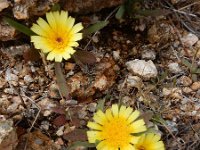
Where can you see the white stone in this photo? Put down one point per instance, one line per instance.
(172, 92)
(134, 81)
(145, 69)
(60, 131)
(174, 68)
(116, 55)
(28, 79)
(92, 107)
(189, 40)
(10, 76)
(148, 54)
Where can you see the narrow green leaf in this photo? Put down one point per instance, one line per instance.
(194, 77)
(197, 71)
(78, 143)
(159, 119)
(120, 12)
(95, 27)
(186, 63)
(55, 7)
(163, 76)
(22, 28)
(64, 89)
(100, 104)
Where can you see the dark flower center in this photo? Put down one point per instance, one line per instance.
(59, 39)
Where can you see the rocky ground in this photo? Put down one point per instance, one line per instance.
(151, 63)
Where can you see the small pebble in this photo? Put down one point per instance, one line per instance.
(28, 79)
(149, 54)
(189, 40)
(195, 86)
(92, 107)
(60, 131)
(174, 68)
(185, 81)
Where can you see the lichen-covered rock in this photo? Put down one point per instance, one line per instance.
(6, 32)
(8, 135)
(23, 9)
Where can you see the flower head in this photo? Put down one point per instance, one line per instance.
(149, 141)
(114, 128)
(57, 36)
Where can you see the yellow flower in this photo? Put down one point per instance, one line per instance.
(113, 129)
(149, 141)
(57, 36)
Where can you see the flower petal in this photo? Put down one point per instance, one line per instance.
(78, 27)
(115, 110)
(133, 116)
(95, 126)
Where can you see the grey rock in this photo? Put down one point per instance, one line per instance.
(174, 68)
(145, 69)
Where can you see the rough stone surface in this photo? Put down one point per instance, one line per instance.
(6, 32)
(195, 86)
(145, 69)
(8, 136)
(134, 81)
(3, 4)
(175, 93)
(189, 40)
(148, 54)
(85, 6)
(174, 68)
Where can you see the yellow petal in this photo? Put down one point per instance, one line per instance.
(134, 139)
(127, 112)
(51, 56)
(102, 146)
(95, 126)
(76, 37)
(138, 126)
(109, 115)
(78, 27)
(38, 30)
(44, 25)
(51, 20)
(133, 116)
(58, 58)
(115, 110)
(69, 22)
(122, 110)
(92, 136)
(66, 56)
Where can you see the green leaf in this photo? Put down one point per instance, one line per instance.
(55, 7)
(95, 27)
(78, 143)
(22, 28)
(197, 71)
(159, 119)
(64, 89)
(186, 63)
(194, 77)
(100, 104)
(120, 12)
